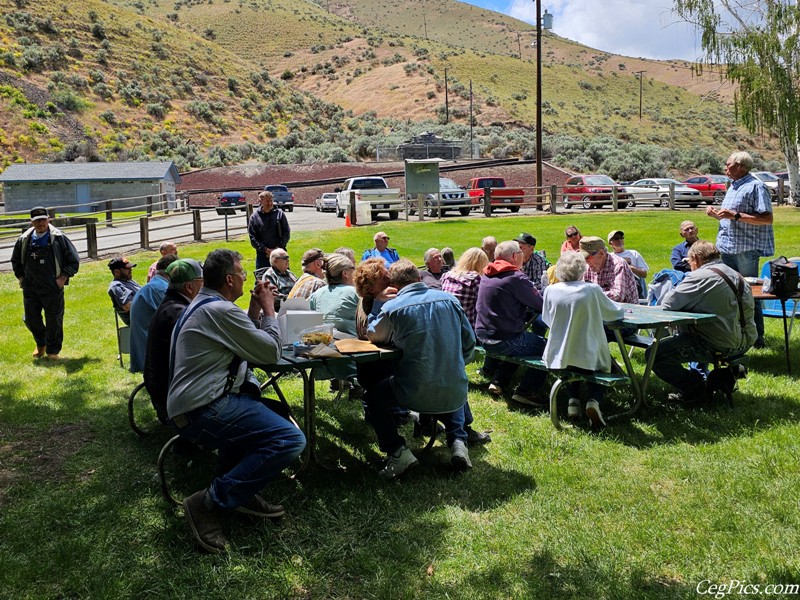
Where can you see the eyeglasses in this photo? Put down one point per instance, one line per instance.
(242, 274)
(282, 257)
(618, 238)
(571, 235)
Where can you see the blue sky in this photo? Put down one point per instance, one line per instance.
(637, 28)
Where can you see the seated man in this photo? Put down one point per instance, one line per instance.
(712, 288)
(608, 271)
(381, 249)
(123, 288)
(214, 400)
(144, 305)
(279, 274)
(488, 245)
(437, 341)
(689, 234)
(313, 276)
(635, 260)
(185, 281)
(431, 275)
(504, 298)
(166, 248)
(533, 265)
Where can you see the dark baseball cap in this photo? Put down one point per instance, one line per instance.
(525, 238)
(120, 262)
(39, 212)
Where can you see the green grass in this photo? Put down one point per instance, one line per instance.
(646, 509)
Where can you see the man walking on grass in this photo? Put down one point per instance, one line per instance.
(43, 260)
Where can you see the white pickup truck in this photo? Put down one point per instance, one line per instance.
(372, 190)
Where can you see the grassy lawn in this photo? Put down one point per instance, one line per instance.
(646, 509)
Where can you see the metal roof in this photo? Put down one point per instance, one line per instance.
(92, 171)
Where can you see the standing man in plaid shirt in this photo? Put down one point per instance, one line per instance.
(610, 272)
(745, 225)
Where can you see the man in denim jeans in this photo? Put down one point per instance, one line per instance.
(506, 300)
(437, 340)
(745, 225)
(214, 401)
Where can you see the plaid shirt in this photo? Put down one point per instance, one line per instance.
(750, 196)
(533, 269)
(464, 286)
(306, 285)
(616, 279)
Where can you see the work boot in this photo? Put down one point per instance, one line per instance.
(258, 507)
(205, 522)
(39, 352)
(53, 357)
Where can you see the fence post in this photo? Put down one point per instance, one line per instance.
(421, 206)
(197, 225)
(487, 202)
(91, 240)
(614, 199)
(248, 211)
(149, 206)
(672, 196)
(109, 213)
(144, 233)
(553, 198)
(781, 199)
(352, 209)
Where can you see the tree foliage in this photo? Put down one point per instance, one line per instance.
(758, 44)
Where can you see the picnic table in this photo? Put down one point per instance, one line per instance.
(657, 321)
(306, 367)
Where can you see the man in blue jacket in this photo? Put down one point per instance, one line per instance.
(43, 260)
(433, 332)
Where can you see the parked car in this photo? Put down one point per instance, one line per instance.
(450, 197)
(501, 196)
(770, 180)
(657, 191)
(281, 196)
(711, 187)
(592, 191)
(785, 176)
(325, 202)
(234, 200)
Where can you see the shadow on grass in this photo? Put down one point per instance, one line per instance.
(70, 365)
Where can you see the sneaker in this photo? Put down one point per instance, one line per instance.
(204, 523)
(531, 399)
(476, 438)
(39, 352)
(574, 408)
(495, 389)
(258, 507)
(398, 462)
(459, 456)
(594, 414)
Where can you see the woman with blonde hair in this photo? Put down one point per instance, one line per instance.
(462, 281)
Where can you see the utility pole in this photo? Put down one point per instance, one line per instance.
(538, 93)
(446, 100)
(640, 74)
(470, 117)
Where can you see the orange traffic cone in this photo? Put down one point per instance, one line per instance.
(347, 219)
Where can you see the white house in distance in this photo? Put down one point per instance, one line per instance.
(85, 187)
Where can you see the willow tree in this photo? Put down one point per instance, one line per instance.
(757, 44)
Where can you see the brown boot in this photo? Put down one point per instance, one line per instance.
(258, 507)
(205, 523)
(39, 352)
(53, 357)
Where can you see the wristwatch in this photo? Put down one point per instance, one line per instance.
(737, 216)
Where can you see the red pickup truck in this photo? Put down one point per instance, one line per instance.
(501, 196)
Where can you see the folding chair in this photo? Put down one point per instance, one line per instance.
(123, 338)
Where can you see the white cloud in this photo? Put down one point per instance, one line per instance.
(642, 28)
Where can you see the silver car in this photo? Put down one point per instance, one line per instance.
(656, 190)
(325, 202)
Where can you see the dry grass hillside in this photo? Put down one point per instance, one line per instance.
(279, 81)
